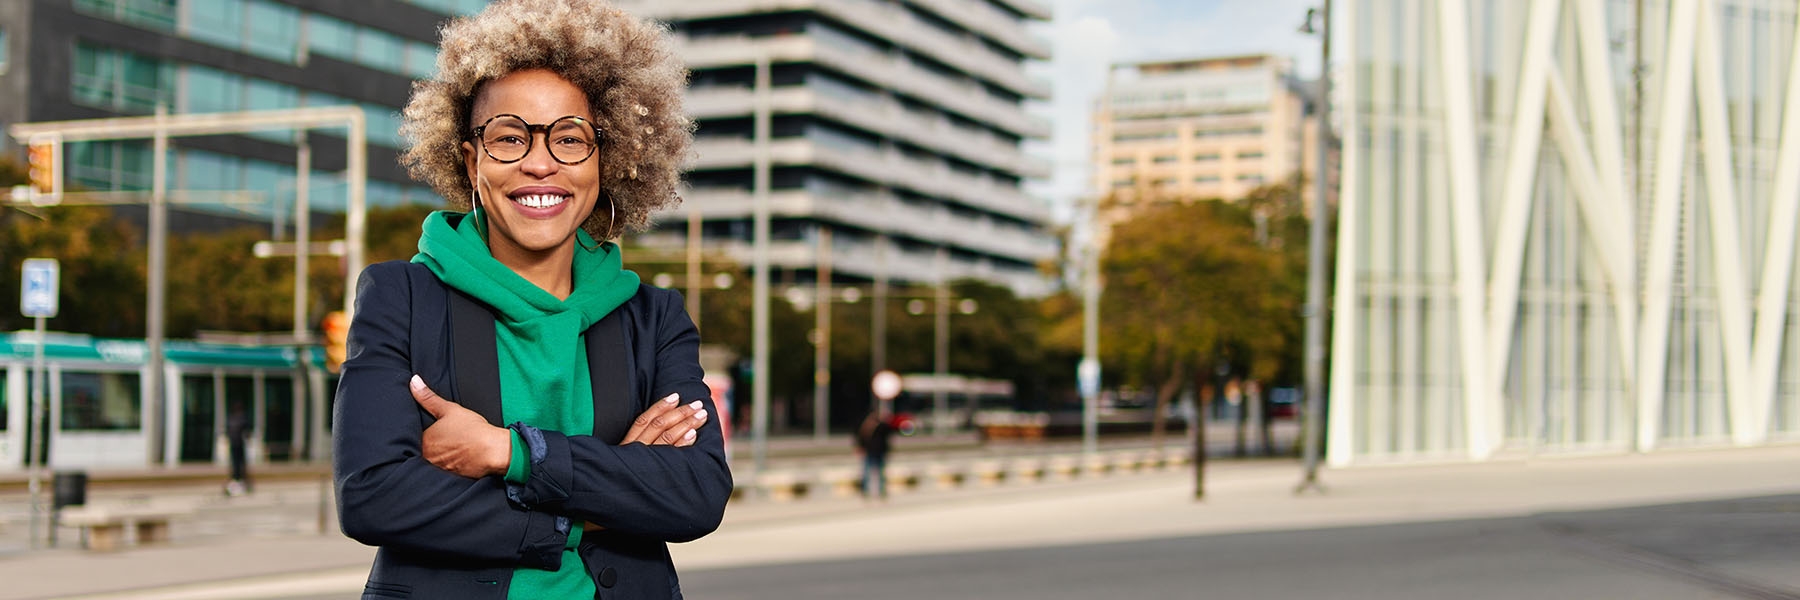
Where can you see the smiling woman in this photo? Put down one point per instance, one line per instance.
(566, 438)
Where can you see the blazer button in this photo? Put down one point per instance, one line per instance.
(608, 577)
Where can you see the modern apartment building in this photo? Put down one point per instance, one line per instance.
(82, 59)
(1565, 227)
(895, 125)
(1196, 129)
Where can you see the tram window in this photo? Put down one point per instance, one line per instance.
(100, 401)
(3, 374)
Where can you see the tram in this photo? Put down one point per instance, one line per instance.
(96, 414)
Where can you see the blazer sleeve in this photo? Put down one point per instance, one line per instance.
(659, 492)
(388, 494)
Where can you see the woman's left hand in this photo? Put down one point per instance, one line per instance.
(461, 441)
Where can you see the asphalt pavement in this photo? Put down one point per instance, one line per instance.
(1675, 524)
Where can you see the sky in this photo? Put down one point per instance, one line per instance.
(1089, 35)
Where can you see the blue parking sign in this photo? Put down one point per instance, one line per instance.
(37, 293)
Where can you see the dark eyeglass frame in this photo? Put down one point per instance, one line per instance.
(531, 135)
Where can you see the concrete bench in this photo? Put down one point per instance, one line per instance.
(901, 478)
(1062, 467)
(988, 472)
(103, 527)
(845, 482)
(782, 486)
(1026, 469)
(947, 475)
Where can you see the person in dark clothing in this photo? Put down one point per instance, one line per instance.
(237, 432)
(873, 440)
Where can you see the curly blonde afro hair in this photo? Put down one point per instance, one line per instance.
(626, 66)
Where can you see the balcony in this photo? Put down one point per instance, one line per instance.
(984, 20)
(880, 115)
(894, 23)
(878, 69)
(863, 259)
(879, 213)
(886, 167)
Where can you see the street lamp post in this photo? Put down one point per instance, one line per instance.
(1315, 260)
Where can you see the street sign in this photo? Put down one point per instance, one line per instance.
(37, 293)
(1087, 377)
(886, 385)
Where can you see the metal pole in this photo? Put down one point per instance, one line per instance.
(1090, 332)
(759, 396)
(302, 232)
(159, 264)
(37, 438)
(822, 350)
(1315, 267)
(356, 221)
(878, 309)
(693, 266)
(940, 398)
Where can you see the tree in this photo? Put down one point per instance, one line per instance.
(1189, 287)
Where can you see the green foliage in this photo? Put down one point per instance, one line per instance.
(102, 272)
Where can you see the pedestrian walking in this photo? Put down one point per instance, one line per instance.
(874, 438)
(237, 436)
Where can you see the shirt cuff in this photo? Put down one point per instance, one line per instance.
(519, 469)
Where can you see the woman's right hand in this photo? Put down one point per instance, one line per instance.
(667, 422)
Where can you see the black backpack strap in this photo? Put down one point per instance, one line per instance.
(613, 409)
(475, 362)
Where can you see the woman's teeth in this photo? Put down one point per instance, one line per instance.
(540, 200)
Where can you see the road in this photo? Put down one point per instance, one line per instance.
(1730, 549)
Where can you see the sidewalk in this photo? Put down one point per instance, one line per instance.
(1241, 497)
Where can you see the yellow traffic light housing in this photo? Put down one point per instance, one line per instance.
(337, 334)
(44, 169)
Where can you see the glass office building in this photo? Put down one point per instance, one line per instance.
(1565, 226)
(83, 59)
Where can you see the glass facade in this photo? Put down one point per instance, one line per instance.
(278, 31)
(1532, 260)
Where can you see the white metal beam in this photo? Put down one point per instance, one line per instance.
(1609, 156)
(1482, 414)
(1522, 154)
(1659, 269)
(1340, 446)
(1721, 195)
(1778, 250)
(1590, 191)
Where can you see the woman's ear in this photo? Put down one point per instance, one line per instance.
(468, 154)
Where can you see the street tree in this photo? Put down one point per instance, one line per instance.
(1190, 289)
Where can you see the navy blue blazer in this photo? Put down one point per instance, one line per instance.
(441, 535)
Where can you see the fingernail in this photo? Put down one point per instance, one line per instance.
(696, 405)
(700, 416)
(417, 384)
(689, 435)
(671, 398)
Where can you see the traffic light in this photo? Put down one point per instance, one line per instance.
(43, 172)
(337, 332)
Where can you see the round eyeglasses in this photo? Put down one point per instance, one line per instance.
(508, 138)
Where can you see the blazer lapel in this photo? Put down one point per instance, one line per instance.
(613, 408)
(477, 363)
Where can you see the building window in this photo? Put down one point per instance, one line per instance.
(1207, 179)
(151, 14)
(2, 50)
(1229, 132)
(274, 31)
(1252, 179)
(1124, 183)
(1124, 160)
(217, 22)
(1139, 137)
(1206, 157)
(1164, 159)
(1250, 155)
(120, 81)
